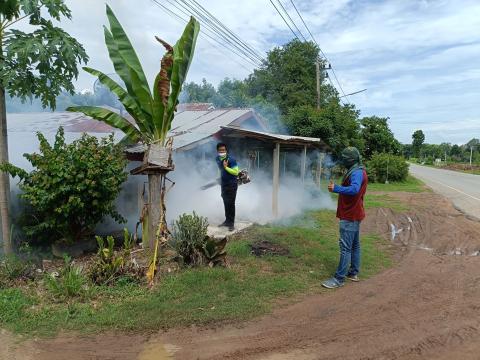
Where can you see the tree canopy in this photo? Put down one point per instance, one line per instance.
(378, 137)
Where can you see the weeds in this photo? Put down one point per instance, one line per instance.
(71, 282)
(188, 238)
(111, 265)
(12, 268)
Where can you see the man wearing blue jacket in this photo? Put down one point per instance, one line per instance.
(351, 212)
(229, 181)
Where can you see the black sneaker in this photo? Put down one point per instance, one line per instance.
(224, 224)
(231, 227)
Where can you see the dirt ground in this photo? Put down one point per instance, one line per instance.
(426, 307)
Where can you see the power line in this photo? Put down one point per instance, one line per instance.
(214, 30)
(218, 31)
(256, 53)
(293, 22)
(206, 36)
(286, 22)
(325, 56)
(304, 24)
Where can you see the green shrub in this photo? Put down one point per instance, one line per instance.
(12, 269)
(72, 187)
(192, 243)
(383, 167)
(188, 237)
(111, 265)
(70, 282)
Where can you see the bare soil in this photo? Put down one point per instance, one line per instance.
(425, 307)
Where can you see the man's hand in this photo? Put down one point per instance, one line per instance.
(225, 164)
(331, 186)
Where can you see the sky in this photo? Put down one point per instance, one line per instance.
(418, 59)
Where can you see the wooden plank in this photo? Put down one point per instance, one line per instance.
(303, 164)
(276, 179)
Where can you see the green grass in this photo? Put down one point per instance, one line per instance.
(384, 201)
(250, 287)
(410, 185)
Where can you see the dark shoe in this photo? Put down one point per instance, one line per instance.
(224, 224)
(353, 278)
(231, 227)
(332, 283)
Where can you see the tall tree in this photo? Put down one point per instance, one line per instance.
(378, 137)
(288, 77)
(335, 124)
(418, 138)
(41, 63)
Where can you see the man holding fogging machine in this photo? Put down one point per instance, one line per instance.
(229, 172)
(351, 212)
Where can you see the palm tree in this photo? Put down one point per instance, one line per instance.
(152, 110)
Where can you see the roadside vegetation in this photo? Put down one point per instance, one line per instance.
(248, 287)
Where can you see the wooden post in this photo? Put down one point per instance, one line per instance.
(303, 164)
(154, 206)
(318, 174)
(276, 180)
(320, 163)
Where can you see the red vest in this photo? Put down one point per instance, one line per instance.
(351, 207)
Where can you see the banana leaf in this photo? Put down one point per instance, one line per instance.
(118, 64)
(128, 102)
(110, 118)
(130, 59)
(183, 55)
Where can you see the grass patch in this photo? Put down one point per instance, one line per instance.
(250, 287)
(410, 185)
(383, 201)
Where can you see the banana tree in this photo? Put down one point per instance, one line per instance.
(153, 110)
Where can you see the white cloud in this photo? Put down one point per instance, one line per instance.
(418, 59)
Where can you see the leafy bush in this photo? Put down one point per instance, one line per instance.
(72, 187)
(193, 245)
(12, 269)
(70, 282)
(383, 167)
(188, 237)
(111, 265)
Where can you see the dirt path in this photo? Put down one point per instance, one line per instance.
(426, 307)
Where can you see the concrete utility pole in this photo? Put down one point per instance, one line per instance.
(471, 154)
(318, 82)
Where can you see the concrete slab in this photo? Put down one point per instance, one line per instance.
(216, 231)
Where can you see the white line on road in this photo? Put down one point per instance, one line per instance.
(460, 191)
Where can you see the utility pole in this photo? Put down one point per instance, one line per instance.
(471, 153)
(318, 82)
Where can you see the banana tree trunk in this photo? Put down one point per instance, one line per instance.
(156, 207)
(4, 177)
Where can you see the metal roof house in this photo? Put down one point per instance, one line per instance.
(197, 132)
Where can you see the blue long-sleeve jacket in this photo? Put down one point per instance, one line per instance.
(356, 179)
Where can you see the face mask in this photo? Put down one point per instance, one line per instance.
(222, 154)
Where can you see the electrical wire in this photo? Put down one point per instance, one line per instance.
(206, 28)
(320, 49)
(256, 53)
(291, 20)
(286, 22)
(206, 36)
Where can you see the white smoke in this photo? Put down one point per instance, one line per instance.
(254, 200)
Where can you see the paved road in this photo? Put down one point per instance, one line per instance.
(462, 189)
